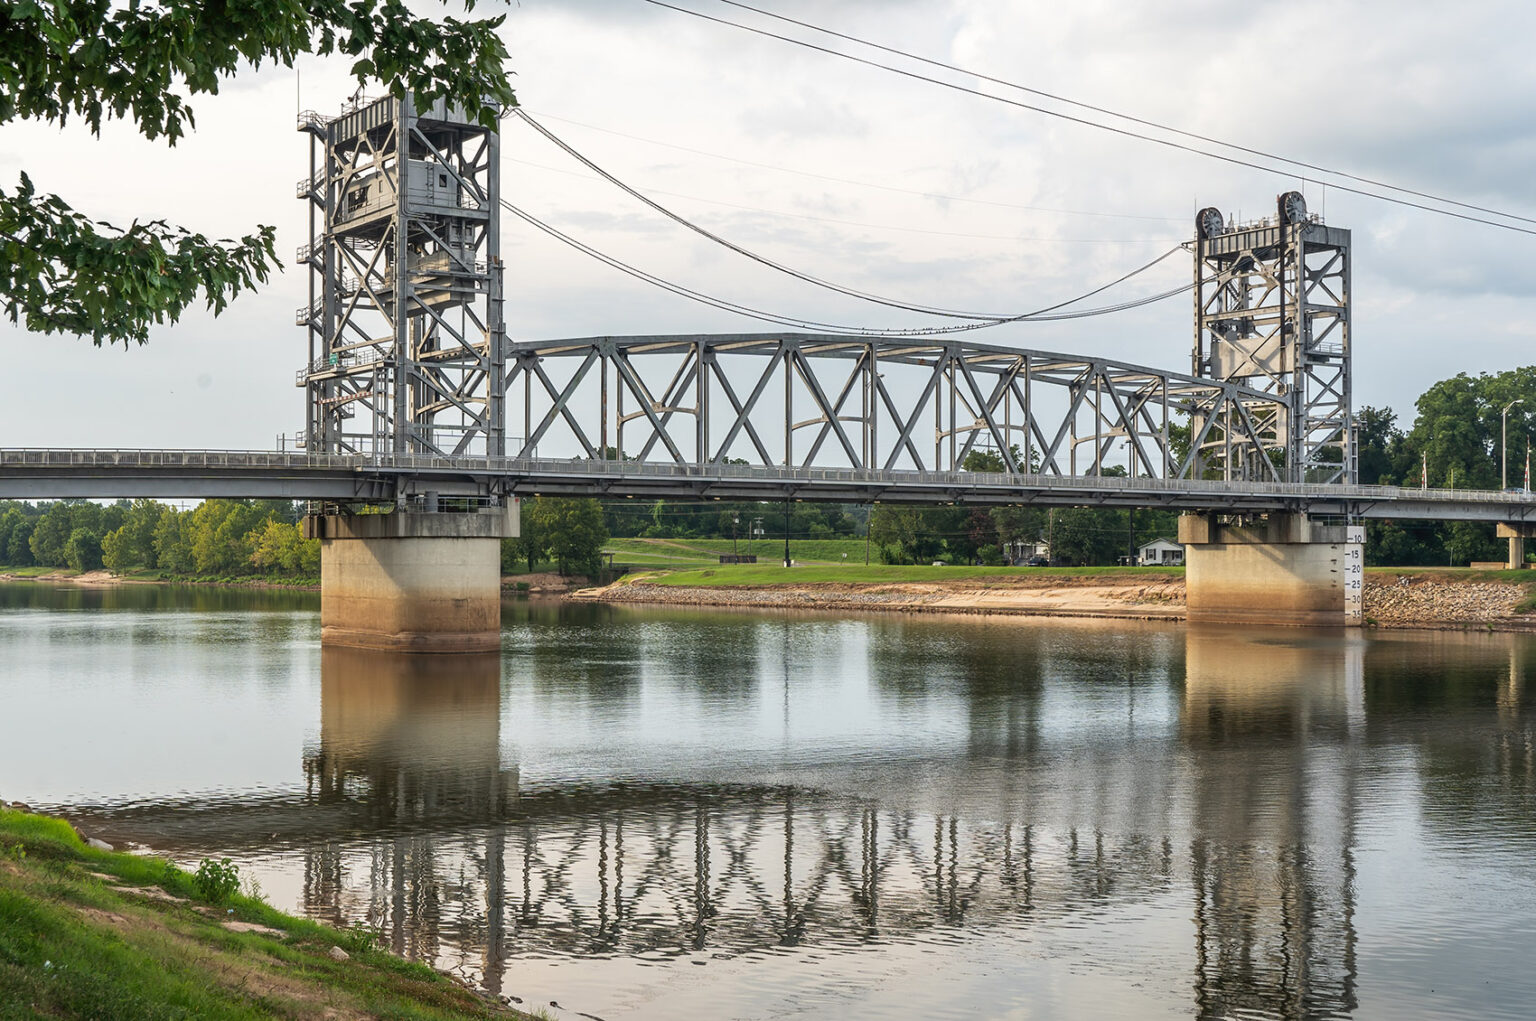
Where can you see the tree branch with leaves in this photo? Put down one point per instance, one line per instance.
(96, 60)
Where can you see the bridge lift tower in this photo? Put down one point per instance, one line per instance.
(407, 357)
(406, 337)
(1272, 312)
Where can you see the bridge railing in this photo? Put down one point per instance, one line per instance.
(532, 469)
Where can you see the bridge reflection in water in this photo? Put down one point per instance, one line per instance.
(453, 864)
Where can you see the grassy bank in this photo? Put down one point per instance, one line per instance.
(101, 934)
(757, 575)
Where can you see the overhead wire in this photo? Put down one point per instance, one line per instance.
(976, 317)
(1127, 117)
(868, 226)
(862, 184)
(1113, 129)
(1047, 314)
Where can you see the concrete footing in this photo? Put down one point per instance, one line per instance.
(1286, 570)
(412, 582)
(1516, 532)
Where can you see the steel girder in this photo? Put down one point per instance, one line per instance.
(878, 403)
(405, 316)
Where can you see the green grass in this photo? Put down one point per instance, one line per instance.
(663, 551)
(72, 945)
(35, 571)
(757, 575)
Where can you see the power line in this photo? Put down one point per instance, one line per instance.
(1049, 313)
(1124, 132)
(870, 226)
(861, 184)
(985, 318)
(1129, 117)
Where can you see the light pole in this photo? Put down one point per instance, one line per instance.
(1504, 443)
(735, 520)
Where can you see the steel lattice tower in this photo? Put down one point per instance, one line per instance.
(406, 338)
(1272, 312)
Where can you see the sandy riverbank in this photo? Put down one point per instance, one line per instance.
(1402, 601)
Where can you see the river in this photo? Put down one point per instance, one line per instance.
(647, 813)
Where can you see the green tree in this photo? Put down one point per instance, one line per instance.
(217, 531)
(279, 546)
(83, 550)
(572, 530)
(117, 552)
(18, 552)
(1377, 439)
(8, 522)
(50, 535)
(173, 548)
(95, 60)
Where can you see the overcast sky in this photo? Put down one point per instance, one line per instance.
(882, 183)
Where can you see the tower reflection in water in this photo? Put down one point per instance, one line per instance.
(452, 864)
(1275, 727)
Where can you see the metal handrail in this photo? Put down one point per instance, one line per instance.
(408, 463)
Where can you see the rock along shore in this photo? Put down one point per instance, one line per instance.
(1406, 601)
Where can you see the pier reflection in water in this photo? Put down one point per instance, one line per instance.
(952, 818)
(637, 869)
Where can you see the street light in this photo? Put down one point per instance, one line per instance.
(1504, 443)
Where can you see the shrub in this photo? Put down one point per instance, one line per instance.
(217, 881)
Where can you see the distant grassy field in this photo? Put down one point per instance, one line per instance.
(662, 551)
(756, 575)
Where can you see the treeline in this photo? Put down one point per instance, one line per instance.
(1456, 442)
(217, 538)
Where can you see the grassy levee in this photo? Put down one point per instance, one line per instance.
(99, 934)
(758, 575)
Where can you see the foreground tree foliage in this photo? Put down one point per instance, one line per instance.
(94, 60)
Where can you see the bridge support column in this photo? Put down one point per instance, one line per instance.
(1517, 532)
(1286, 569)
(412, 581)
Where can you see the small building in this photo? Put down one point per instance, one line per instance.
(1021, 553)
(1159, 553)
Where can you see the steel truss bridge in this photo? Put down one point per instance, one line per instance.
(789, 416)
(413, 388)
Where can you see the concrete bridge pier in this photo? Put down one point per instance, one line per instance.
(412, 581)
(1517, 532)
(1283, 569)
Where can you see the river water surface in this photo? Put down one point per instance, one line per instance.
(650, 813)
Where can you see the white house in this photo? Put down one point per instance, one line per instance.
(1159, 553)
(1020, 553)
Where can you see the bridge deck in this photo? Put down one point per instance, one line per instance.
(197, 474)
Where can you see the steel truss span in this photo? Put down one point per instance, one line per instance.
(32, 474)
(881, 404)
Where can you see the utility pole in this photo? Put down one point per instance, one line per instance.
(1504, 443)
(786, 531)
(869, 523)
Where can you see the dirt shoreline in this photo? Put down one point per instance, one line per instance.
(1409, 601)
